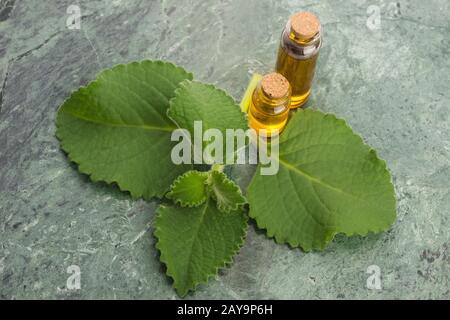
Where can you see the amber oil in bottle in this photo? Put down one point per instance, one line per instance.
(297, 56)
(269, 107)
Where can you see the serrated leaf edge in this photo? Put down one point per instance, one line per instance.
(94, 82)
(181, 202)
(296, 244)
(228, 182)
(226, 262)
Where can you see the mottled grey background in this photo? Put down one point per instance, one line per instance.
(391, 84)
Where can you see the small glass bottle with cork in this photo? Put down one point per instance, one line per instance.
(269, 104)
(268, 99)
(297, 55)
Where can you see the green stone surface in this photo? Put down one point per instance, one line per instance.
(391, 83)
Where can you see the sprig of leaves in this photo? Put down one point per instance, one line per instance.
(118, 128)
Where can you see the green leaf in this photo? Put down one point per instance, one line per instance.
(197, 101)
(227, 194)
(328, 182)
(189, 190)
(196, 242)
(116, 129)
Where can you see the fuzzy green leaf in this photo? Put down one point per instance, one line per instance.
(197, 101)
(328, 182)
(116, 129)
(189, 190)
(227, 194)
(196, 242)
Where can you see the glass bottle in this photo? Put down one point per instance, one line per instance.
(269, 107)
(297, 56)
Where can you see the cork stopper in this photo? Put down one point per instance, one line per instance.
(305, 25)
(275, 86)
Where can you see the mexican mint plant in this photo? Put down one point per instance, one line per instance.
(118, 130)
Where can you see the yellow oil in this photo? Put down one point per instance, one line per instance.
(268, 114)
(300, 74)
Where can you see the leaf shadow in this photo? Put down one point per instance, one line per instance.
(340, 241)
(111, 189)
